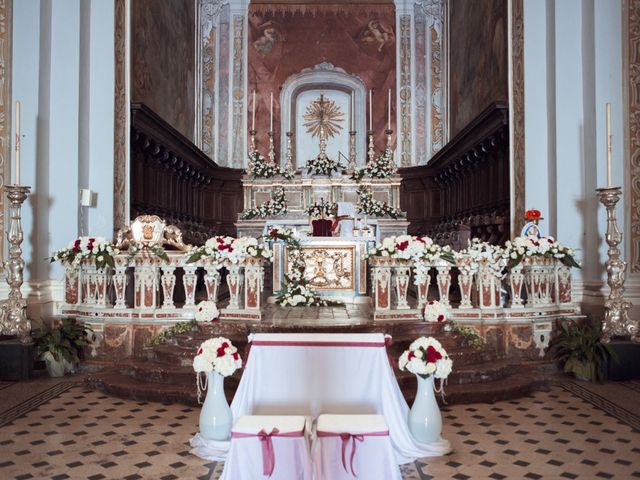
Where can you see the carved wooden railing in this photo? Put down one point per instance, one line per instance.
(463, 192)
(172, 178)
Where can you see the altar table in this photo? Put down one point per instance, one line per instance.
(311, 374)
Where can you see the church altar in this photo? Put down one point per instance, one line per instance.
(304, 191)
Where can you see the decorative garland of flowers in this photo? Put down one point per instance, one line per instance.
(167, 334)
(296, 291)
(260, 168)
(155, 249)
(229, 250)
(381, 167)
(520, 248)
(321, 209)
(275, 206)
(426, 357)
(471, 337)
(84, 248)
(367, 205)
(323, 165)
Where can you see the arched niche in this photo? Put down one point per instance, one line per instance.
(327, 78)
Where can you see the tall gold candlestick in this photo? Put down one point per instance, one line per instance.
(252, 141)
(389, 150)
(289, 165)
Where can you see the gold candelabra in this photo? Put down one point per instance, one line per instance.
(616, 319)
(15, 322)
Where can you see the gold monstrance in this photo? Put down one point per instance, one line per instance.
(323, 119)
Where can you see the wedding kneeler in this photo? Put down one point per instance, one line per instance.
(354, 446)
(268, 446)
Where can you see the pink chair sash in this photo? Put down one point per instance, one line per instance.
(268, 454)
(355, 437)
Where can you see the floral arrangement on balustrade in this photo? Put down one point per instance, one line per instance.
(259, 167)
(216, 355)
(381, 167)
(229, 250)
(426, 357)
(97, 249)
(323, 165)
(520, 248)
(275, 206)
(367, 205)
(435, 311)
(480, 253)
(321, 209)
(296, 291)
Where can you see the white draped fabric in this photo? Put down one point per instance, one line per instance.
(311, 374)
(290, 449)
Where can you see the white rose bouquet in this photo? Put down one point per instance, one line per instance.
(207, 311)
(435, 311)
(217, 355)
(83, 248)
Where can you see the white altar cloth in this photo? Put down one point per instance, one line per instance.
(311, 374)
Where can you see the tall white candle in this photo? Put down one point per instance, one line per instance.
(17, 146)
(353, 112)
(389, 112)
(253, 111)
(271, 113)
(609, 164)
(370, 110)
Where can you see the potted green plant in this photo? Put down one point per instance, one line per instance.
(579, 349)
(60, 346)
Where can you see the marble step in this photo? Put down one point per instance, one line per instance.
(522, 383)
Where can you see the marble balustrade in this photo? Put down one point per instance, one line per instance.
(531, 287)
(146, 286)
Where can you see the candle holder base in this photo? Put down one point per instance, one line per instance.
(14, 319)
(617, 323)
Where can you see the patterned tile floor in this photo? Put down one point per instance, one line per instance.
(67, 432)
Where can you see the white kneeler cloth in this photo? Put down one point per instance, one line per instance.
(310, 374)
(350, 446)
(268, 446)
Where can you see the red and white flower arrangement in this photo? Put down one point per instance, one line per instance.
(215, 355)
(435, 311)
(520, 248)
(83, 248)
(426, 357)
(228, 250)
(207, 311)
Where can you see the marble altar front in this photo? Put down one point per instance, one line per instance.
(336, 267)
